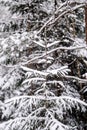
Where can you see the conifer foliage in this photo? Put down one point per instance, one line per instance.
(43, 65)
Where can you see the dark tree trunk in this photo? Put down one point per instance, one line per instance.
(86, 21)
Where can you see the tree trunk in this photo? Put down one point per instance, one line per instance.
(86, 21)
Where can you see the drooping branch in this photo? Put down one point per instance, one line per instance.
(48, 99)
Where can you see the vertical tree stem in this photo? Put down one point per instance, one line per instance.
(79, 75)
(86, 22)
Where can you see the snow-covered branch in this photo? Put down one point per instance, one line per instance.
(52, 19)
(53, 50)
(49, 98)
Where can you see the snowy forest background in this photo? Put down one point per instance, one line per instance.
(43, 65)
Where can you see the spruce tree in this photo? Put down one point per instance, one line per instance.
(43, 66)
